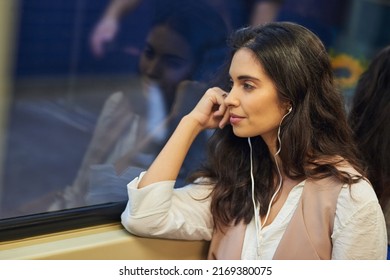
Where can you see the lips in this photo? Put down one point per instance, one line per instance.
(235, 119)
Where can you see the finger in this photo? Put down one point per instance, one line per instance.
(225, 119)
(221, 106)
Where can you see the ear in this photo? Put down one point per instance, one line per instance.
(288, 106)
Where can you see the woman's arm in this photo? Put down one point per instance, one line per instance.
(159, 210)
(210, 112)
(107, 27)
(155, 208)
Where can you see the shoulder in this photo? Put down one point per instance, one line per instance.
(111, 105)
(357, 195)
(116, 107)
(359, 230)
(357, 204)
(113, 101)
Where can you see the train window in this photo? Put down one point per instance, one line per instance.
(91, 90)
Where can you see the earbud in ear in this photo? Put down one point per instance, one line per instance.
(290, 109)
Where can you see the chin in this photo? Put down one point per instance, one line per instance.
(243, 134)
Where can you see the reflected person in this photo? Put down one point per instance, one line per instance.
(183, 49)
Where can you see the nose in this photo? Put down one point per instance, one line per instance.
(232, 99)
(153, 69)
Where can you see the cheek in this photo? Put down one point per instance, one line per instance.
(265, 118)
(143, 65)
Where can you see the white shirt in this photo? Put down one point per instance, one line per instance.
(159, 210)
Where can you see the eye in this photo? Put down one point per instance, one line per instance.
(230, 85)
(148, 52)
(248, 86)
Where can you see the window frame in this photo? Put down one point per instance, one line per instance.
(49, 222)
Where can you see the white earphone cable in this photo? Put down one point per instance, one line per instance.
(256, 206)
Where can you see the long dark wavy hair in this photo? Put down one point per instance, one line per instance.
(370, 120)
(315, 136)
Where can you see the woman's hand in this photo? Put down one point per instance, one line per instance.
(211, 111)
(104, 33)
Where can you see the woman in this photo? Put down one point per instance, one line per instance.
(282, 180)
(369, 119)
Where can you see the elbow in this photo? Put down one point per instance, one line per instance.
(144, 225)
(133, 225)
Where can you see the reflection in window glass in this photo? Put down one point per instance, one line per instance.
(99, 86)
(93, 106)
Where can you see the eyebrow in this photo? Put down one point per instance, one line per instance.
(246, 77)
(175, 57)
(166, 55)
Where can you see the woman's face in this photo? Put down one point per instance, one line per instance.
(166, 60)
(253, 101)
